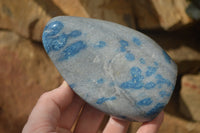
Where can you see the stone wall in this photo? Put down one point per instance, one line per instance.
(26, 71)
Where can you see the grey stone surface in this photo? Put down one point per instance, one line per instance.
(114, 68)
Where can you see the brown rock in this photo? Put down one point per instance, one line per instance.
(172, 124)
(28, 17)
(166, 14)
(190, 97)
(26, 72)
(119, 11)
(182, 46)
(23, 17)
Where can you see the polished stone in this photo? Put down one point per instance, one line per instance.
(114, 68)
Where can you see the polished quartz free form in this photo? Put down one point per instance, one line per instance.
(114, 68)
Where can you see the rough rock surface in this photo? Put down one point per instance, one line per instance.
(161, 13)
(17, 16)
(119, 11)
(21, 81)
(172, 124)
(182, 46)
(190, 97)
(143, 14)
(28, 17)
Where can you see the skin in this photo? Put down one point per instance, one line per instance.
(56, 111)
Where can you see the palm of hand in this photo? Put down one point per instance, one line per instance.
(60, 108)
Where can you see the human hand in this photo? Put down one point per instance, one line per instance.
(59, 109)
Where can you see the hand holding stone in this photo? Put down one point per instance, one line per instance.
(57, 111)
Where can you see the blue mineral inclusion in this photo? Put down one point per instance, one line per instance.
(53, 28)
(149, 85)
(142, 61)
(130, 56)
(101, 44)
(123, 44)
(145, 102)
(111, 84)
(164, 94)
(137, 79)
(156, 109)
(150, 71)
(72, 50)
(167, 58)
(75, 34)
(123, 117)
(137, 41)
(161, 80)
(100, 81)
(156, 63)
(72, 85)
(104, 99)
(52, 40)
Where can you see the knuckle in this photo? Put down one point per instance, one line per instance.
(44, 97)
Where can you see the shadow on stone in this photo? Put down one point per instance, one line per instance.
(176, 39)
(185, 112)
(31, 27)
(50, 8)
(173, 105)
(189, 66)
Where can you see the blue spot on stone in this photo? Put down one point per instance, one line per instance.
(130, 56)
(111, 84)
(156, 63)
(72, 85)
(72, 50)
(100, 81)
(137, 79)
(104, 99)
(172, 86)
(57, 43)
(101, 44)
(167, 58)
(137, 41)
(164, 94)
(150, 71)
(75, 33)
(135, 71)
(142, 61)
(53, 28)
(54, 42)
(161, 80)
(50, 41)
(145, 102)
(149, 85)
(123, 117)
(123, 44)
(156, 109)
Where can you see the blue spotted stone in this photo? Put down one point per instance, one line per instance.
(116, 69)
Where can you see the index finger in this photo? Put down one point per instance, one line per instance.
(46, 113)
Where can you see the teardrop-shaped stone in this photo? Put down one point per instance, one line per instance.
(114, 68)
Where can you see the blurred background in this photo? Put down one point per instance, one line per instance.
(26, 71)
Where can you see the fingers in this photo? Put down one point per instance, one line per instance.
(89, 121)
(116, 126)
(70, 114)
(47, 111)
(152, 126)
